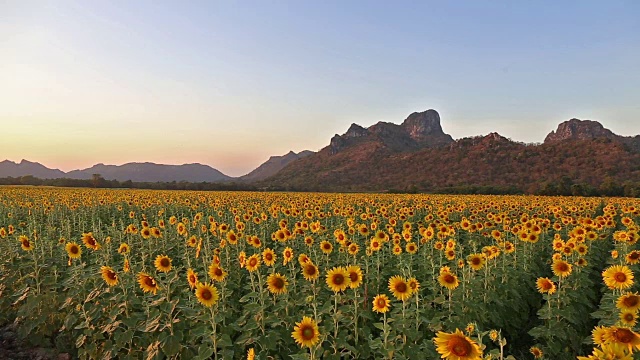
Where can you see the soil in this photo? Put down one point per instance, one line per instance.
(12, 348)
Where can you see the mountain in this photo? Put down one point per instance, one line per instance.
(273, 165)
(418, 155)
(576, 129)
(150, 172)
(418, 130)
(24, 168)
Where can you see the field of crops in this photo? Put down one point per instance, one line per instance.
(133, 274)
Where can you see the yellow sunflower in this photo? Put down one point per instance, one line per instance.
(536, 352)
(253, 263)
(287, 255)
(310, 271)
(25, 244)
(277, 284)
(355, 275)
(414, 285)
(73, 250)
(251, 354)
(628, 302)
(448, 280)
(561, 268)
(306, 332)
(476, 261)
(207, 294)
(457, 346)
(163, 263)
(192, 278)
(89, 241)
(618, 277)
(628, 318)
(216, 272)
(338, 279)
(399, 288)
(545, 286)
(123, 249)
(109, 275)
(147, 283)
(268, 257)
(381, 303)
(326, 247)
(622, 336)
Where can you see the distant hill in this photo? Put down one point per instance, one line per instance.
(25, 168)
(150, 172)
(137, 172)
(418, 155)
(273, 165)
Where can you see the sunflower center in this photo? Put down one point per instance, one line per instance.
(634, 256)
(401, 287)
(111, 275)
(624, 335)
(218, 272)
(164, 262)
(338, 279)
(253, 262)
(192, 279)
(628, 317)
(620, 277)
(475, 261)
(307, 333)
(449, 279)
(149, 282)
(311, 270)
(353, 276)
(278, 283)
(460, 347)
(73, 249)
(269, 257)
(206, 294)
(631, 301)
(381, 303)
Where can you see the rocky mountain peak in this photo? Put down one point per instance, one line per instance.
(576, 129)
(421, 124)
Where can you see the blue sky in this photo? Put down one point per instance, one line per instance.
(230, 83)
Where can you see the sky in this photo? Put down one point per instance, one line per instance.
(230, 83)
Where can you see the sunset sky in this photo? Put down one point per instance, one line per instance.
(230, 83)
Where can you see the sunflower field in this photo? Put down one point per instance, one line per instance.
(138, 274)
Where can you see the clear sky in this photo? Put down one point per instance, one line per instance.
(230, 83)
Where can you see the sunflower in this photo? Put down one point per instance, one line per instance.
(109, 275)
(124, 249)
(310, 271)
(618, 277)
(73, 250)
(338, 279)
(457, 346)
(598, 335)
(561, 268)
(448, 280)
(353, 249)
(303, 259)
(253, 263)
(163, 263)
(399, 288)
(628, 318)
(192, 241)
(355, 275)
(375, 244)
(25, 244)
(545, 286)
(476, 261)
(207, 294)
(287, 255)
(251, 354)
(381, 303)
(89, 241)
(306, 332)
(609, 351)
(269, 257)
(414, 285)
(216, 272)
(147, 283)
(277, 284)
(633, 257)
(145, 233)
(622, 336)
(326, 247)
(628, 302)
(192, 278)
(536, 352)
